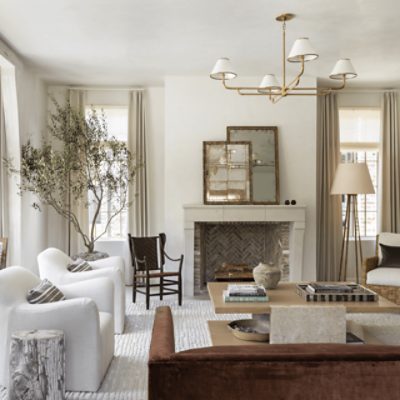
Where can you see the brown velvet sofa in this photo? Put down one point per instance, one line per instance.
(278, 372)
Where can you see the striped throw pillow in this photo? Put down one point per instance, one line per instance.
(79, 265)
(45, 292)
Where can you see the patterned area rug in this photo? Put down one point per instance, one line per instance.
(126, 378)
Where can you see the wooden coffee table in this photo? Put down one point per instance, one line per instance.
(285, 295)
(221, 335)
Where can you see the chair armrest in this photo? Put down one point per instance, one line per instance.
(173, 259)
(73, 277)
(100, 290)
(79, 314)
(162, 344)
(114, 261)
(368, 265)
(180, 260)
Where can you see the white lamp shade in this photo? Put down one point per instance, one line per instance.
(343, 69)
(352, 178)
(302, 49)
(223, 70)
(269, 83)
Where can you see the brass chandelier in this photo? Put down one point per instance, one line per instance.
(301, 53)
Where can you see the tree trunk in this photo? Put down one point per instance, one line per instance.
(37, 365)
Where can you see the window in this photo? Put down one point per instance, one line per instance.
(359, 142)
(117, 123)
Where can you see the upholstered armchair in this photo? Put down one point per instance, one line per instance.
(86, 317)
(53, 265)
(380, 278)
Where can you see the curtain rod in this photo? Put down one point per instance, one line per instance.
(106, 88)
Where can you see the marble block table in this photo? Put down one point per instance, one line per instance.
(37, 365)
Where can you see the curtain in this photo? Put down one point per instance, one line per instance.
(329, 213)
(390, 165)
(74, 241)
(3, 174)
(138, 220)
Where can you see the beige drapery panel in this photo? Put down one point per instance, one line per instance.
(390, 165)
(329, 214)
(138, 220)
(3, 174)
(77, 99)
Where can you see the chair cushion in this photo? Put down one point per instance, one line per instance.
(390, 256)
(384, 276)
(389, 239)
(45, 292)
(79, 265)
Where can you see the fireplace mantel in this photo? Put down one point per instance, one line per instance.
(295, 215)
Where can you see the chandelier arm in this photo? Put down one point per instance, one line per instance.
(240, 87)
(295, 82)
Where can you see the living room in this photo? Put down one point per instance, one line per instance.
(309, 165)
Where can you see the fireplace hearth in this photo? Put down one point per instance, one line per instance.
(290, 253)
(230, 250)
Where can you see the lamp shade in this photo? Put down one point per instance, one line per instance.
(343, 69)
(302, 49)
(269, 83)
(352, 179)
(223, 70)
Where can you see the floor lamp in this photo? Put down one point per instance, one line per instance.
(351, 179)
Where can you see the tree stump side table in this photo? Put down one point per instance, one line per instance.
(37, 365)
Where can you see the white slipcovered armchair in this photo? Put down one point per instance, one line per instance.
(87, 324)
(381, 279)
(53, 266)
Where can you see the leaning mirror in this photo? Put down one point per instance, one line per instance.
(264, 160)
(227, 172)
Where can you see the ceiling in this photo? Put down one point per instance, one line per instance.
(139, 42)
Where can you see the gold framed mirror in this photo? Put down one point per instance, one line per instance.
(264, 160)
(227, 172)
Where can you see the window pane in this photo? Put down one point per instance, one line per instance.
(367, 204)
(359, 125)
(117, 123)
(117, 120)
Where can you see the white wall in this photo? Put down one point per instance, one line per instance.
(199, 109)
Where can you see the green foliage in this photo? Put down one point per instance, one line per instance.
(80, 163)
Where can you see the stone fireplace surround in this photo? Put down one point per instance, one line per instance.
(294, 215)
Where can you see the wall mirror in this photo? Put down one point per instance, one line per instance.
(264, 160)
(227, 172)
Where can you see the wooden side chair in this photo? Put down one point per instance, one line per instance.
(148, 261)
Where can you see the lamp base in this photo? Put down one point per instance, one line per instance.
(351, 218)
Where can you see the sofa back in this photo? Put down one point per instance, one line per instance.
(289, 371)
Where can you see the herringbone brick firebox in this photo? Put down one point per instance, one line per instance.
(249, 243)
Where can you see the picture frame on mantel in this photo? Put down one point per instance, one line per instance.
(264, 160)
(227, 172)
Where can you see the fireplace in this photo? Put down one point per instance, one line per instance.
(230, 250)
(263, 220)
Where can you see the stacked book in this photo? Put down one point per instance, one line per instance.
(245, 293)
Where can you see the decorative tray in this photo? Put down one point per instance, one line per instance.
(250, 329)
(358, 293)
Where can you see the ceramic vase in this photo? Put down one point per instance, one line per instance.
(267, 275)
